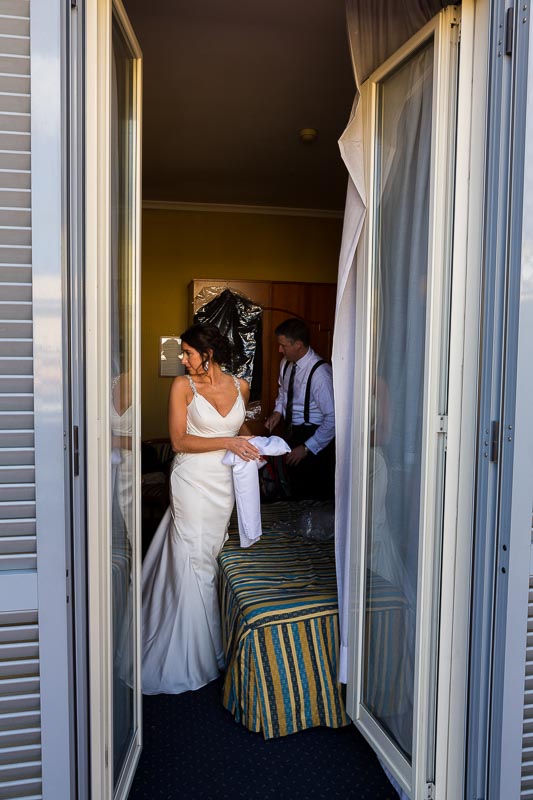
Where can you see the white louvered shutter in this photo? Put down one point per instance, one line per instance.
(20, 734)
(20, 722)
(527, 737)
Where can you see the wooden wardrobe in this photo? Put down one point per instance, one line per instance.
(312, 302)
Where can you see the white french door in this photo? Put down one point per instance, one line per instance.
(404, 288)
(113, 202)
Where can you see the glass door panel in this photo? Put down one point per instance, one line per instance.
(397, 379)
(122, 404)
(404, 286)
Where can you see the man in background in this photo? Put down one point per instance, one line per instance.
(305, 403)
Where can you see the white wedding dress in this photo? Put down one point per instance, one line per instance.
(181, 630)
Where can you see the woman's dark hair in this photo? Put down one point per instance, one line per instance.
(208, 337)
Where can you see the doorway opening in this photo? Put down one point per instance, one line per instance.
(236, 194)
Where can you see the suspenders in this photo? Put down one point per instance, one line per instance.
(307, 401)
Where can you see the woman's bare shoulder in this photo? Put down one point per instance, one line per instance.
(180, 385)
(245, 386)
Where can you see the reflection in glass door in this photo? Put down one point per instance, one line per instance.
(123, 402)
(403, 162)
(405, 284)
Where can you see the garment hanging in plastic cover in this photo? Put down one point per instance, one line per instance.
(241, 321)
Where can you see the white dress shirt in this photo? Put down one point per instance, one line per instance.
(321, 407)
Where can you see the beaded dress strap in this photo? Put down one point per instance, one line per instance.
(237, 383)
(193, 385)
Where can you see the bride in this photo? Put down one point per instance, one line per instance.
(182, 641)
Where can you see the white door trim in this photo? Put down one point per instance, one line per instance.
(48, 258)
(462, 404)
(98, 336)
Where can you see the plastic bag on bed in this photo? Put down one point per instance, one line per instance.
(310, 519)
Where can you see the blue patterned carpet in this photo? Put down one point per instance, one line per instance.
(193, 749)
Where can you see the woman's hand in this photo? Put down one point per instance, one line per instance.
(243, 447)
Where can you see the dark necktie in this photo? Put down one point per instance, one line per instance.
(290, 395)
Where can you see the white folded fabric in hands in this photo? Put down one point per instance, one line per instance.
(246, 485)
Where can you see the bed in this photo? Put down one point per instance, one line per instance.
(281, 633)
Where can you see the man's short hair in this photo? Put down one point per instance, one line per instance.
(294, 329)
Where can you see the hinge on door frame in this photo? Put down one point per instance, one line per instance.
(442, 427)
(456, 23)
(494, 440)
(430, 791)
(76, 450)
(509, 31)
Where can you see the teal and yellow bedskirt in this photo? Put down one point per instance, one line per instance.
(281, 634)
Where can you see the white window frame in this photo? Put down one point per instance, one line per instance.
(48, 587)
(443, 29)
(514, 748)
(463, 399)
(98, 335)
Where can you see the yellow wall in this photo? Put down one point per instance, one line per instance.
(181, 245)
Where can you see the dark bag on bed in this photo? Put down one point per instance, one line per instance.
(273, 480)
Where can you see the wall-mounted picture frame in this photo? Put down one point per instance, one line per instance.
(169, 357)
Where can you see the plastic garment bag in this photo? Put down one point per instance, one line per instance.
(241, 321)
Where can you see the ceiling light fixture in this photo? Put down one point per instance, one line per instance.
(308, 135)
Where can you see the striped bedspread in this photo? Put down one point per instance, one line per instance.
(281, 634)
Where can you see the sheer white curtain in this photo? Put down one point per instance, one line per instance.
(343, 359)
(403, 159)
(376, 28)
